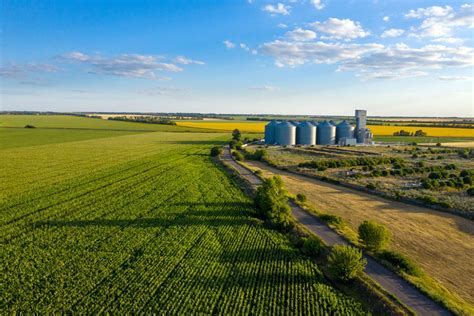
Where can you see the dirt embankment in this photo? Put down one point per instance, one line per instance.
(441, 243)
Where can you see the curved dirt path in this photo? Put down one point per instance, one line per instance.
(405, 292)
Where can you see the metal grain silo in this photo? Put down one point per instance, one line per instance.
(270, 132)
(285, 134)
(344, 130)
(305, 134)
(326, 134)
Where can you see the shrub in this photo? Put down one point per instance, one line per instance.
(332, 219)
(29, 126)
(465, 173)
(346, 262)
(438, 144)
(216, 151)
(312, 246)
(445, 204)
(371, 186)
(467, 180)
(301, 197)
(272, 202)
(470, 191)
(238, 156)
(400, 262)
(258, 172)
(374, 236)
(428, 199)
(434, 175)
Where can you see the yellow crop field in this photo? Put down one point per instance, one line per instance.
(381, 130)
(378, 130)
(246, 127)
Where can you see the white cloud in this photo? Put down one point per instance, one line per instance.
(244, 47)
(455, 78)
(292, 54)
(317, 4)
(370, 61)
(279, 8)
(401, 61)
(124, 65)
(13, 70)
(429, 12)
(161, 91)
(440, 21)
(264, 88)
(386, 18)
(448, 40)
(392, 33)
(282, 25)
(300, 35)
(229, 44)
(186, 61)
(340, 29)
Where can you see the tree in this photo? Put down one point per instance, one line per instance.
(216, 151)
(312, 246)
(272, 202)
(236, 135)
(374, 236)
(346, 262)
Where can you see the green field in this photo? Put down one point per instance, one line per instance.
(77, 122)
(140, 222)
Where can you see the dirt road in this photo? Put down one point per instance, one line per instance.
(394, 284)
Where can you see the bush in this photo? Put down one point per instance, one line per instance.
(29, 126)
(470, 191)
(216, 151)
(346, 262)
(428, 199)
(312, 246)
(400, 262)
(300, 197)
(238, 156)
(272, 202)
(332, 219)
(371, 186)
(258, 172)
(445, 204)
(374, 236)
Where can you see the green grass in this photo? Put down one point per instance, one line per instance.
(434, 140)
(144, 222)
(77, 122)
(21, 137)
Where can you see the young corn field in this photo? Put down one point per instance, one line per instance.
(142, 223)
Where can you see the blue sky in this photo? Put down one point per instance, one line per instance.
(401, 58)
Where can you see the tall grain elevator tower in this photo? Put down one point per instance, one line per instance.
(362, 133)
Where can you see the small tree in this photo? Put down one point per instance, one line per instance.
(374, 236)
(301, 197)
(346, 262)
(236, 135)
(312, 246)
(272, 202)
(216, 151)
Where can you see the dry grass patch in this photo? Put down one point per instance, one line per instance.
(441, 243)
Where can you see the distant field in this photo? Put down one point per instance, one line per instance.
(378, 130)
(71, 122)
(140, 223)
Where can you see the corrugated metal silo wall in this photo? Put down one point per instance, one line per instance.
(306, 134)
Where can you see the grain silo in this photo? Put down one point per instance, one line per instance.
(305, 134)
(326, 134)
(344, 130)
(285, 134)
(270, 132)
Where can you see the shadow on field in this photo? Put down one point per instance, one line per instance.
(195, 214)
